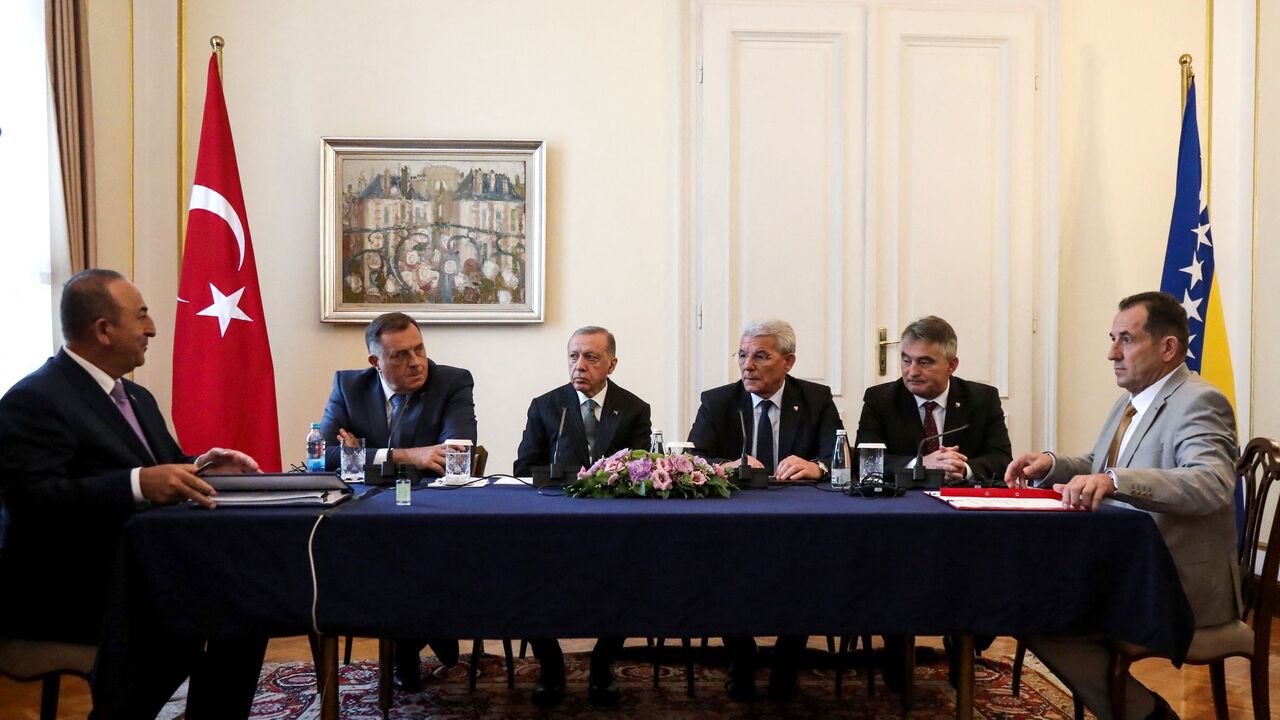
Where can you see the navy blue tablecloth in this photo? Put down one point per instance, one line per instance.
(510, 562)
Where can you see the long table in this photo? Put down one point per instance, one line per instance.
(504, 561)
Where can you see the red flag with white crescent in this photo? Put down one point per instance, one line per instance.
(224, 390)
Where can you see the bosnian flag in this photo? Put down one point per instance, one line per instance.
(224, 390)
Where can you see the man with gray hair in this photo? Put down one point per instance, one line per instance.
(783, 424)
(926, 400)
(586, 419)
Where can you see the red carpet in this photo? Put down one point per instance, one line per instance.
(287, 692)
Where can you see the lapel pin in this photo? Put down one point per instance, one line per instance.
(795, 408)
(615, 412)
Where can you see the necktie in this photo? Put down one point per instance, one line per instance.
(764, 436)
(397, 410)
(589, 425)
(126, 409)
(1114, 451)
(931, 428)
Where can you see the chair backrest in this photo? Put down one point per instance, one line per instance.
(479, 458)
(1259, 468)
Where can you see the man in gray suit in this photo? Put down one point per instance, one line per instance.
(1168, 448)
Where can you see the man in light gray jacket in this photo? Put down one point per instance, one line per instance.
(1168, 448)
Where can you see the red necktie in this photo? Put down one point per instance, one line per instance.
(930, 428)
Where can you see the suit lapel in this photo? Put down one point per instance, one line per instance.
(375, 408)
(1149, 417)
(610, 417)
(573, 427)
(792, 407)
(957, 410)
(1108, 432)
(101, 404)
(909, 412)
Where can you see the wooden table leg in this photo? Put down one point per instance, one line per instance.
(964, 688)
(327, 677)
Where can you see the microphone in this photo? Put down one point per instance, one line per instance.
(749, 477)
(555, 453)
(742, 420)
(917, 472)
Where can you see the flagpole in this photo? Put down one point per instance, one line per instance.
(1184, 61)
(216, 42)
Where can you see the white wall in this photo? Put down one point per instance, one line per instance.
(601, 82)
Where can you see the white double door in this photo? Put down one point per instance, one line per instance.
(859, 165)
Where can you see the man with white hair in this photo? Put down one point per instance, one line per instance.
(783, 424)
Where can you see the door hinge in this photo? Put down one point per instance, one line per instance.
(1037, 83)
(699, 315)
(699, 71)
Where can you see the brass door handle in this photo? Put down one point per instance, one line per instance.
(882, 347)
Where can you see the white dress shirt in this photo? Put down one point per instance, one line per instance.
(775, 417)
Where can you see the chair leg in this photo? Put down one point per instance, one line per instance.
(1079, 706)
(658, 644)
(687, 645)
(1119, 673)
(511, 664)
(1019, 656)
(386, 665)
(477, 649)
(49, 696)
(870, 664)
(831, 644)
(1261, 690)
(524, 648)
(1218, 681)
(346, 652)
(839, 662)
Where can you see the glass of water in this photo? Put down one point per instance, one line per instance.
(870, 461)
(353, 460)
(457, 465)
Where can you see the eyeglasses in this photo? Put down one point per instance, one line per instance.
(759, 357)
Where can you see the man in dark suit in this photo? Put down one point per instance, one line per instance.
(81, 451)
(926, 400)
(790, 429)
(599, 418)
(1167, 448)
(405, 406)
(929, 399)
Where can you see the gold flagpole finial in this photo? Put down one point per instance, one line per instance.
(216, 42)
(1187, 74)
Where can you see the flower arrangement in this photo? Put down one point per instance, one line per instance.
(639, 473)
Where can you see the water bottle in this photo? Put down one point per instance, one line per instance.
(315, 449)
(840, 467)
(656, 445)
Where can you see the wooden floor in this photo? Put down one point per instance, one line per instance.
(1186, 690)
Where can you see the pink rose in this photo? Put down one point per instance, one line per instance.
(613, 466)
(663, 463)
(661, 479)
(697, 477)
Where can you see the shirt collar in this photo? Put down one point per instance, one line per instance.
(598, 397)
(1143, 400)
(776, 397)
(941, 399)
(105, 381)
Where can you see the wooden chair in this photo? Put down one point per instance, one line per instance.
(31, 660)
(1250, 636)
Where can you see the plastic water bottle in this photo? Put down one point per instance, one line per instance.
(656, 445)
(315, 449)
(840, 468)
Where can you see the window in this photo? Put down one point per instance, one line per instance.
(29, 183)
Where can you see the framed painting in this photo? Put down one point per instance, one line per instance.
(447, 231)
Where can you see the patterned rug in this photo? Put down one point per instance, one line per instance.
(287, 692)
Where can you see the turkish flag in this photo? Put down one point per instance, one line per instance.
(224, 385)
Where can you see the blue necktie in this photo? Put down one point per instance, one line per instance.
(764, 436)
(397, 411)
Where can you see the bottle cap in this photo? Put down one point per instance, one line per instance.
(315, 426)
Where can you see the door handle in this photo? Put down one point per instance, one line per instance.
(882, 347)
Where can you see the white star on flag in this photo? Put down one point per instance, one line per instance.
(1191, 306)
(1195, 270)
(1202, 235)
(1204, 202)
(226, 308)
(1189, 341)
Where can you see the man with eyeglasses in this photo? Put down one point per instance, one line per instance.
(783, 424)
(404, 406)
(587, 419)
